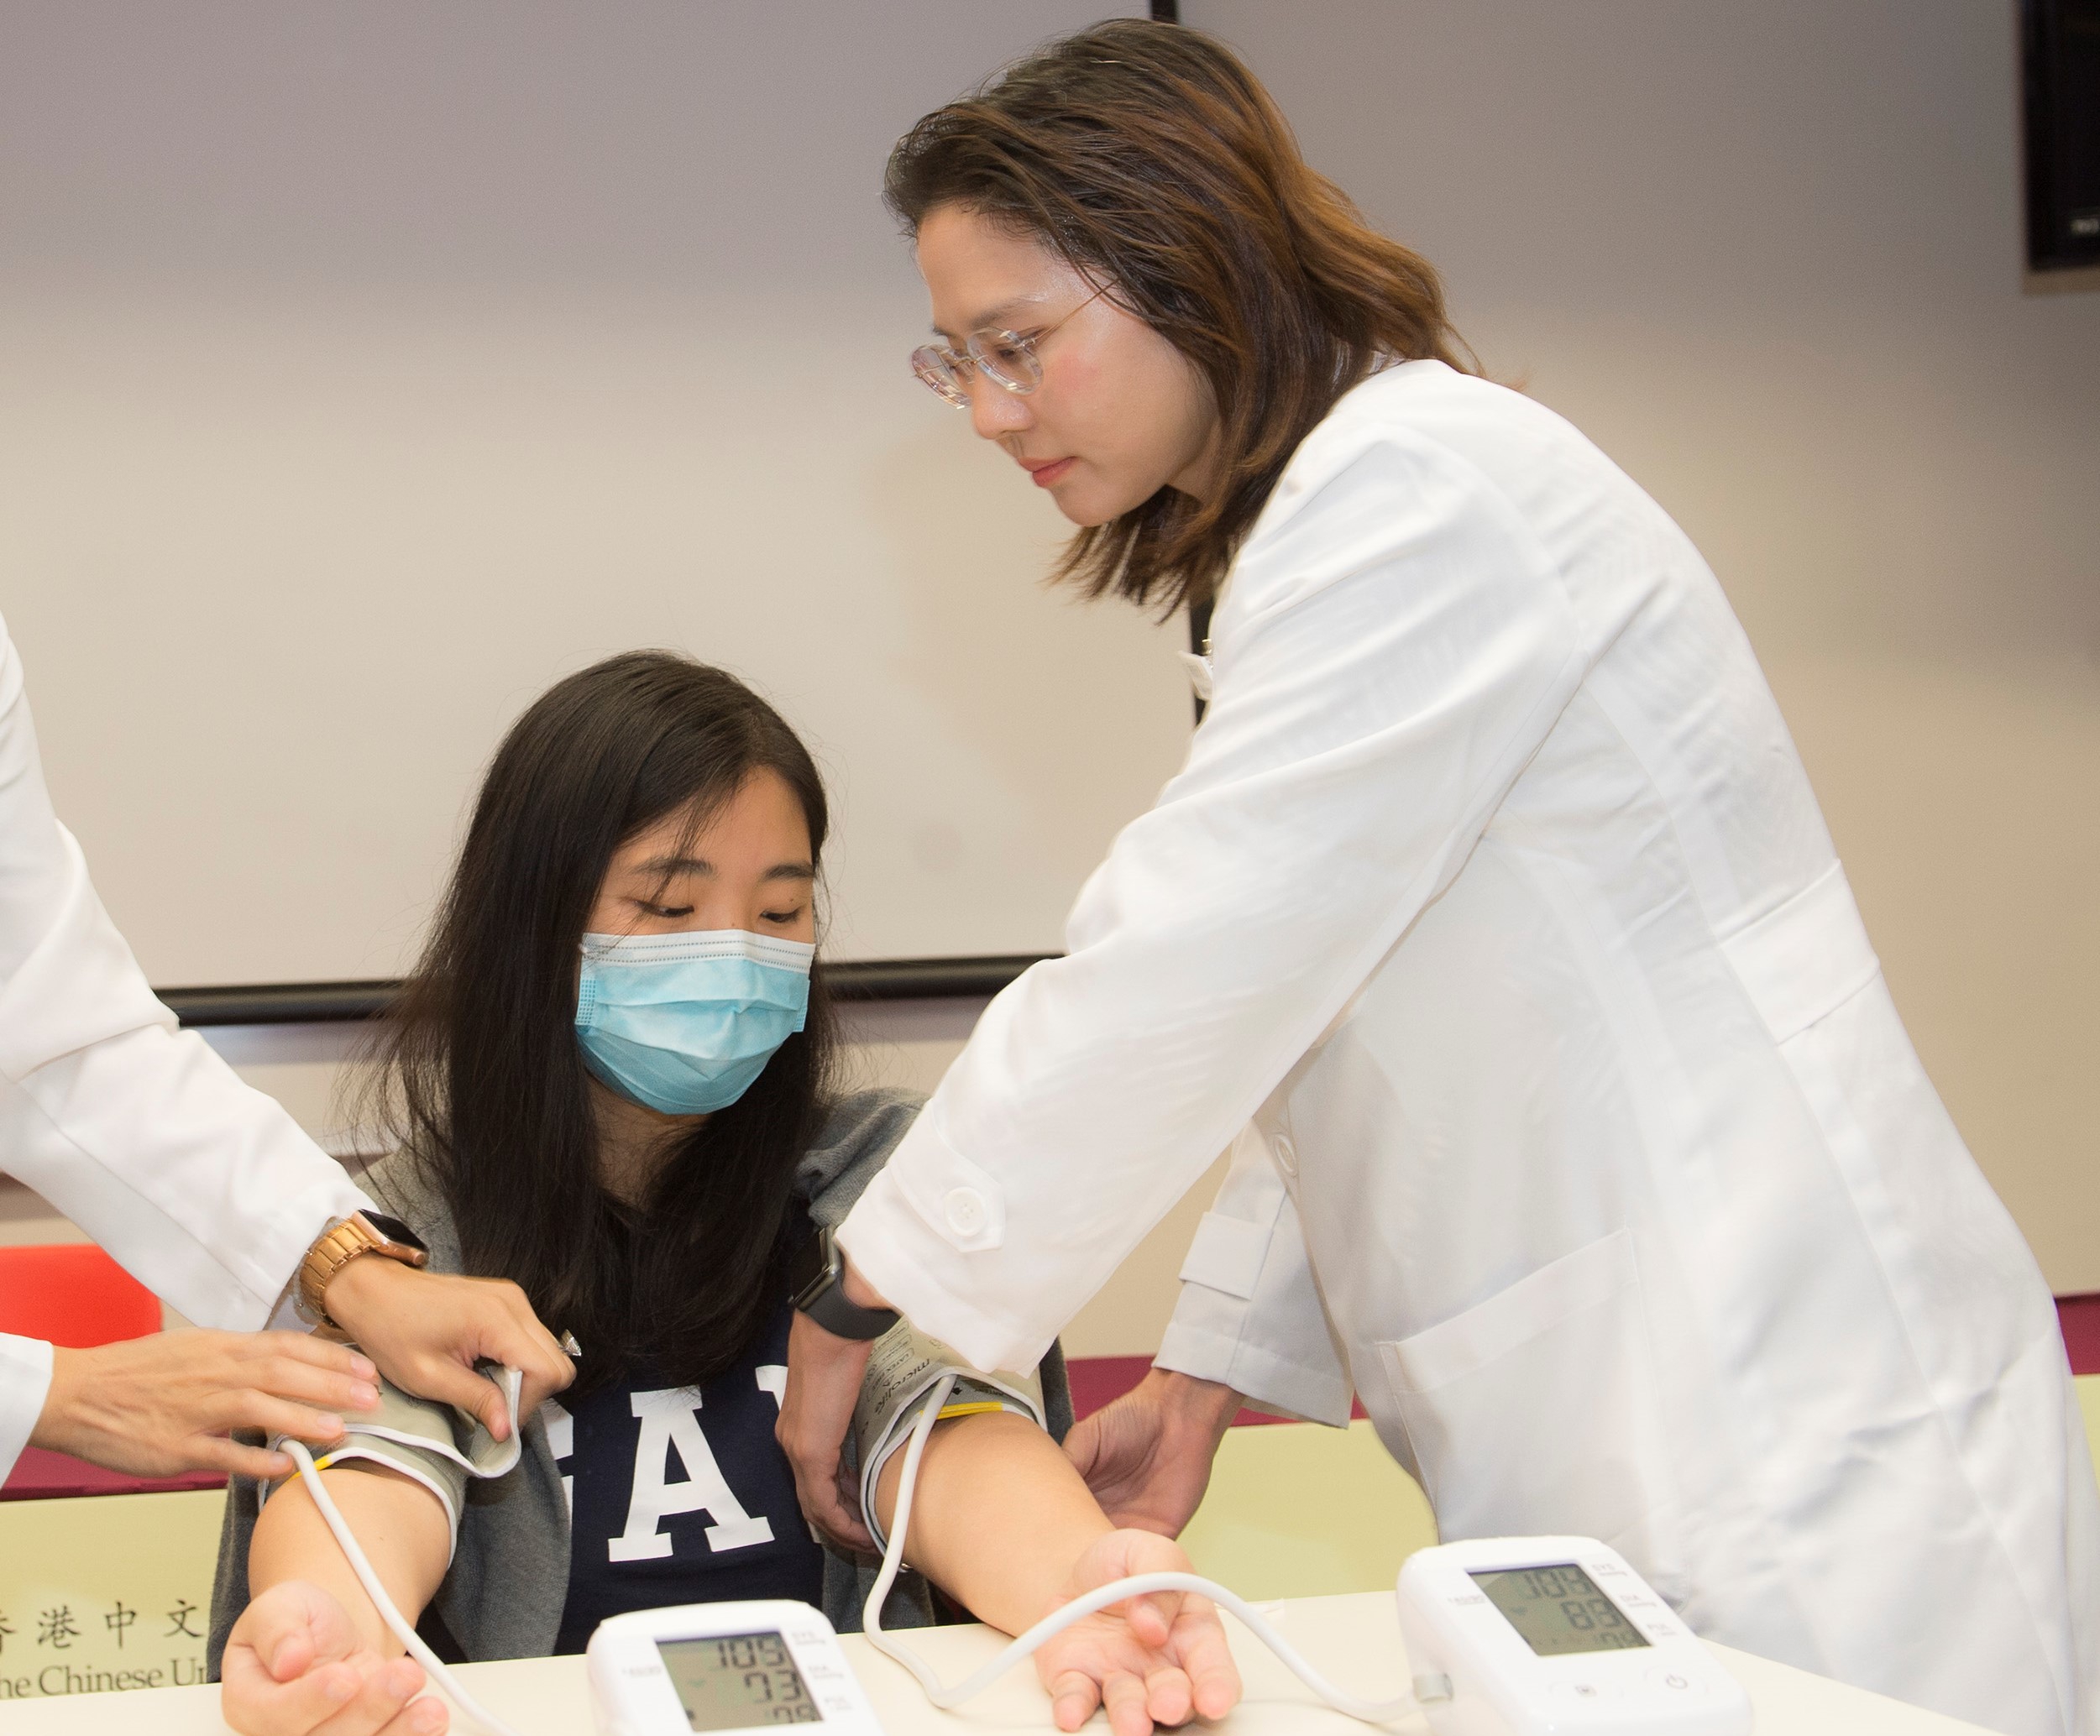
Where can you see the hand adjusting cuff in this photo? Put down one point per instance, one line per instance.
(820, 1293)
(362, 1232)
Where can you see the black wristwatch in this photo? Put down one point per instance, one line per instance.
(820, 1293)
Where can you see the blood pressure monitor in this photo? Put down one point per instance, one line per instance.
(726, 1667)
(1545, 1635)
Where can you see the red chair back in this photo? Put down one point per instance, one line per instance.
(76, 1296)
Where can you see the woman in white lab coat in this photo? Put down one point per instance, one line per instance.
(203, 1189)
(1493, 925)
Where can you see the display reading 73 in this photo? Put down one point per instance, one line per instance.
(1557, 1608)
(732, 1681)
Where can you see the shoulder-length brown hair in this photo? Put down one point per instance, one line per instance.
(1148, 156)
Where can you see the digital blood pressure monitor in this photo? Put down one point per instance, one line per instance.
(1545, 1635)
(726, 1667)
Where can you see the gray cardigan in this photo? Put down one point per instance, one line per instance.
(503, 1595)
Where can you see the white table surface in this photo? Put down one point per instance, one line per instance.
(1354, 1640)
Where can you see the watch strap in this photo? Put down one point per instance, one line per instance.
(843, 1318)
(343, 1241)
(823, 1297)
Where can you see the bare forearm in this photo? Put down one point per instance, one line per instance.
(1147, 1457)
(1203, 1406)
(400, 1524)
(998, 1518)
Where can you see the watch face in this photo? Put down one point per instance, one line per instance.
(394, 1229)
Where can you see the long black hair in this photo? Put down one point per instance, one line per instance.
(485, 1080)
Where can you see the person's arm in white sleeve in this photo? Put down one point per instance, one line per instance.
(1250, 1326)
(201, 1187)
(25, 1378)
(1395, 645)
(1249, 1315)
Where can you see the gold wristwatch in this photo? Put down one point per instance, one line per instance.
(362, 1232)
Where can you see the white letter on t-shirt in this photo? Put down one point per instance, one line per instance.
(667, 1419)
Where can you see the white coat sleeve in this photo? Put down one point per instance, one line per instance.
(1394, 646)
(203, 1189)
(1249, 1315)
(25, 1377)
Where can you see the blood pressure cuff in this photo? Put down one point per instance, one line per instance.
(903, 1371)
(438, 1445)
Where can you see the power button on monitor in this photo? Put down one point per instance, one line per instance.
(1676, 1683)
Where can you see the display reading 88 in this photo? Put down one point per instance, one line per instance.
(738, 1681)
(1558, 1608)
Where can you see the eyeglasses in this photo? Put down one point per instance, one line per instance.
(1006, 358)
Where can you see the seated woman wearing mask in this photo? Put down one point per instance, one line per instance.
(610, 1075)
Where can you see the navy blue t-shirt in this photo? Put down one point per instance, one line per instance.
(681, 1494)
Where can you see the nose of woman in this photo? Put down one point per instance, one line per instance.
(996, 412)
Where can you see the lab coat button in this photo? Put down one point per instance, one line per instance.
(966, 1211)
(1286, 1153)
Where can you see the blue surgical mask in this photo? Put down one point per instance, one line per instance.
(685, 1022)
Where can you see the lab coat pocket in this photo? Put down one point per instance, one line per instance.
(1535, 1412)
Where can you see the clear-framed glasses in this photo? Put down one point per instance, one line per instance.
(1006, 358)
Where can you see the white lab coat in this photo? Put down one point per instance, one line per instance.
(203, 1189)
(1586, 1145)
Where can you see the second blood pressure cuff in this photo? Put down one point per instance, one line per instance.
(436, 1445)
(903, 1370)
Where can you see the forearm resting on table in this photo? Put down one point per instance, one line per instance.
(400, 1522)
(998, 1518)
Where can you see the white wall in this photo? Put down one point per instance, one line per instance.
(1769, 257)
(369, 366)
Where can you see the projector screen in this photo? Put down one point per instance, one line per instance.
(370, 367)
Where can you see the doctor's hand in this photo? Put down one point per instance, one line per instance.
(1156, 1660)
(425, 1331)
(163, 1404)
(295, 1664)
(1147, 1457)
(824, 1382)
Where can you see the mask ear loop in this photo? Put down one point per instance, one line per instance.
(1370, 1712)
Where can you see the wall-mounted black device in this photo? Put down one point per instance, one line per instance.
(2060, 62)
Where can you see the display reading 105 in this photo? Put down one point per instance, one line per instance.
(1558, 1608)
(738, 1681)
